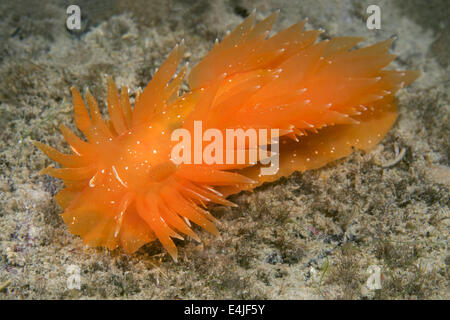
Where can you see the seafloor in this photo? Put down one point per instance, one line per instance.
(315, 235)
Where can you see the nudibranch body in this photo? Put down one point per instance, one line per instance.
(122, 188)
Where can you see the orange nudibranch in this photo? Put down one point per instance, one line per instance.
(325, 97)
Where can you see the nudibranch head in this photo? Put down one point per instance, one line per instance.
(122, 187)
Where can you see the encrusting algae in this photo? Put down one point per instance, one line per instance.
(121, 187)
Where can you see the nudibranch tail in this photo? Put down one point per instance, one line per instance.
(323, 98)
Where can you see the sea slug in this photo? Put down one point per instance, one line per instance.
(123, 189)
